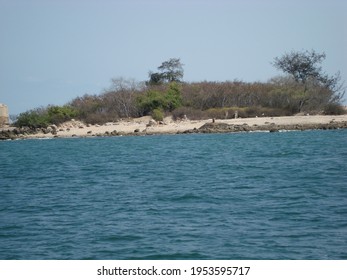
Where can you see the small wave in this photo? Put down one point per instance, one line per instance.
(122, 238)
(186, 197)
(176, 256)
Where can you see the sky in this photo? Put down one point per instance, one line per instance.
(54, 51)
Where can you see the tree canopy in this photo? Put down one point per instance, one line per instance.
(169, 71)
(301, 65)
(305, 68)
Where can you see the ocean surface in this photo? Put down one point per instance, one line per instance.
(216, 196)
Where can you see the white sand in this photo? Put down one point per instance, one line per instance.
(124, 127)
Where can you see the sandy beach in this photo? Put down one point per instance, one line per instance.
(147, 126)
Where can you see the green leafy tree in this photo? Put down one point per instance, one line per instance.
(173, 97)
(167, 100)
(151, 100)
(169, 71)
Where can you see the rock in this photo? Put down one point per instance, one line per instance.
(152, 123)
(53, 126)
(89, 132)
(16, 131)
(273, 130)
(137, 130)
(7, 134)
(217, 127)
(47, 130)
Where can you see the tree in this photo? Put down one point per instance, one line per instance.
(151, 100)
(305, 68)
(121, 97)
(169, 71)
(301, 65)
(167, 100)
(173, 97)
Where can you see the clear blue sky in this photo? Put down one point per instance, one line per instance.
(53, 51)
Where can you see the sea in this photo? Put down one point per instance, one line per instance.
(275, 196)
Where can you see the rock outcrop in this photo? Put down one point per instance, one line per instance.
(214, 127)
(209, 127)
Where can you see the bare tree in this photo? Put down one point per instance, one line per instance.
(121, 97)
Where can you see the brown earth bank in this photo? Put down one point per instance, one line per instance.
(147, 126)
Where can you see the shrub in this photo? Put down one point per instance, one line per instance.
(98, 118)
(334, 109)
(60, 114)
(158, 115)
(190, 113)
(154, 99)
(173, 97)
(43, 117)
(151, 100)
(35, 118)
(220, 113)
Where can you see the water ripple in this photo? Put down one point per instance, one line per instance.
(223, 196)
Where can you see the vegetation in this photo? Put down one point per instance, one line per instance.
(165, 98)
(169, 71)
(158, 115)
(304, 89)
(314, 86)
(42, 117)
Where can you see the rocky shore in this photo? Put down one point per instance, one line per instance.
(147, 126)
(272, 127)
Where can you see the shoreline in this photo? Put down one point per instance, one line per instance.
(147, 126)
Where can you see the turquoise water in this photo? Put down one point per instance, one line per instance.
(216, 196)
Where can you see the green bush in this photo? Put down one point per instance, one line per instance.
(158, 115)
(43, 117)
(60, 114)
(35, 118)
(151, 100)
(167, 100)
(173, 97)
